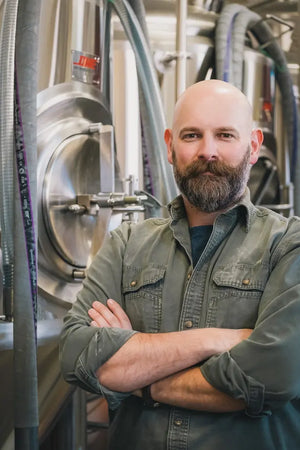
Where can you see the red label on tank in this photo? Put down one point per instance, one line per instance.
(85, 61)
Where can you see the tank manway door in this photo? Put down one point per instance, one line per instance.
(75, 164)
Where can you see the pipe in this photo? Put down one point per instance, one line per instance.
(25, 286)
(239, 19)
(251, 20)
(105, 43)
(7, 56)
(264, 35)
(297, 176)
(150, 178)
(140, 12)
(181, 14)
(150, 88)
(206, 65)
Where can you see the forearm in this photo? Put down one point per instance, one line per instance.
(147, 358)
(189, 389)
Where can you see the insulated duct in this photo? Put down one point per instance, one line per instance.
(18, 41)
(17, 299)
(7, 63)
(25, 286)
(223, 41)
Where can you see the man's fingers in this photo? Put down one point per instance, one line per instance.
(119, 312)
(99, 319)
(109, 315)
(106, 314)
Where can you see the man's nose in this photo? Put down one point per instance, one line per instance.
(207, 147)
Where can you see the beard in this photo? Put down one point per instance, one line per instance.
(216, 191)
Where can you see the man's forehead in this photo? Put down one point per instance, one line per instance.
(215, 102)
(196, 117)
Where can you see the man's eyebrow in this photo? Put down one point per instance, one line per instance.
(190, 130)
(227, 130)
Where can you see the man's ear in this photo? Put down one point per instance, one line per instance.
(168, 136)
(257, 138)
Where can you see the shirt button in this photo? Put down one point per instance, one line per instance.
(133, 283)
(178, 422)
(188, 324)
(246, 282)
(189, 276)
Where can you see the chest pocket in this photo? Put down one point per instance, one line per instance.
(142, 290)
(237, 291)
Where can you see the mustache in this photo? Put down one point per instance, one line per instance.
(215, 167)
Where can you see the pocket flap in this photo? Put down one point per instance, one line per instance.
(136, 277)
(242, 276)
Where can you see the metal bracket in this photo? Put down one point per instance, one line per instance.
(278, 20)
(166, 60)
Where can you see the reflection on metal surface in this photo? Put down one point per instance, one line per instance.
(66, 26)
(74, 158)
(74, 169)
(259, 86)
(52, 391)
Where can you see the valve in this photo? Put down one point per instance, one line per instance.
(117, 201)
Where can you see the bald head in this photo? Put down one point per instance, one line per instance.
(215, 95)
(213, 122)
(212, 146)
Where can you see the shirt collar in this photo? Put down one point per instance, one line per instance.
(244, 208)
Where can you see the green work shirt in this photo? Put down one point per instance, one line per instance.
(247, 277)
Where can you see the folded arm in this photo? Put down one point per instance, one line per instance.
(147, 358)
(264, 369)
(189, 389)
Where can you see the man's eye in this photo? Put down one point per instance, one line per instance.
(190, 136)
(226, 135)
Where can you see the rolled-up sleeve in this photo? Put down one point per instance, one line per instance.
(264, 369)
(83, 349)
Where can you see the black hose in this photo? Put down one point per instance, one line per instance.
(25, 287)
(264, 35)
(208, 62)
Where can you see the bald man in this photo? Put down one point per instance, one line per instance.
(189, 326)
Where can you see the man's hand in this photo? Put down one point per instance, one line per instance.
(109, 315)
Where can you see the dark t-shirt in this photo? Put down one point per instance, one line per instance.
(199, 238)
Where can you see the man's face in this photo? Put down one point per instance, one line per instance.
(212, 146)
(213, 185)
